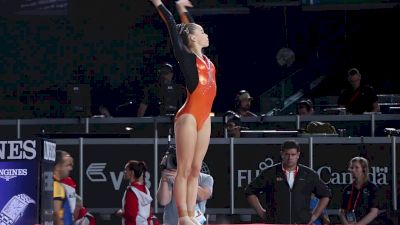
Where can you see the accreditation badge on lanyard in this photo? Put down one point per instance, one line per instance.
(350, 215)
(199, 216)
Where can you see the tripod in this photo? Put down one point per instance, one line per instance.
(169, 158)
(171, 130)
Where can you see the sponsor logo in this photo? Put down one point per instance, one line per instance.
(329, 175)
(8, 174)
(20, 149)
(244, 177)
(377, 175)
(96, 173)
(49, 151)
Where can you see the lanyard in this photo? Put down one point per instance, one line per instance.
(351, 197)
(355, 95)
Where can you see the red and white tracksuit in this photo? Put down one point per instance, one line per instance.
(136, 205)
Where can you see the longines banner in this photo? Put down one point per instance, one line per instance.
(21, 175)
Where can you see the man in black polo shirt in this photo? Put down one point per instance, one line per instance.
(288, 187)
(164, 97)
(358, 98)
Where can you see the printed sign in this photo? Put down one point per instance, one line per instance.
(26, 166)
(18, 149)
(19, 195)
(105, 174)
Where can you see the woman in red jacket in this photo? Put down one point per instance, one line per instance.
(137, 200)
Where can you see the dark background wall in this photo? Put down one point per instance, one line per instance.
(115, 47)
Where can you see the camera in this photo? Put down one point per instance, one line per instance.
(169, 159)
(392, 132)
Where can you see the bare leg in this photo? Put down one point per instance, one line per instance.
(186, 135)
(203, 140)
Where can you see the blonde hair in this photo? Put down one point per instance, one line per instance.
(184, 30)
(364, 165)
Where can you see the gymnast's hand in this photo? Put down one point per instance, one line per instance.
(184, 3)
(156, 3)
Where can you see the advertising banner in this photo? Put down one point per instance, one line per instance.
(19, 203)
(46, 182)
(104, 183)
(26, 182)
(217, 164)
(332, 162)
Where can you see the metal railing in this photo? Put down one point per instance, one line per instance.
(84, 125)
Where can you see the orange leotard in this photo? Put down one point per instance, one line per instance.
(199, 73)
(199, 102)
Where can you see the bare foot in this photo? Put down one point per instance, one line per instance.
(185, 220)
(195, 221)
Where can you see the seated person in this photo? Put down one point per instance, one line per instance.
(358, 97)
(305, 107)
(232, 124)
(103, 112)
(243, 104)
(164, 97)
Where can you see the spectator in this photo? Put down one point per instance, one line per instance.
(62, 209)
(305, 107)
(137, 200)
(243, 104)
(164, 97)
(166, 198)
(288, 186)
(232, 124)
(103, 112)
(358, 98)
(361, 200)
